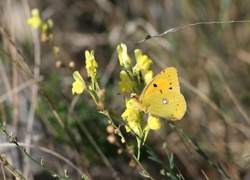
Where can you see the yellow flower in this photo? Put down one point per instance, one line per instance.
(91, 64)
(123, 56)
(79, 84)
(133, 126)
(126, 84)
(132, 116)
(131, 113)
(143, 62)
(35, 21)
(148, 76)
(154, 123)
(46, 30)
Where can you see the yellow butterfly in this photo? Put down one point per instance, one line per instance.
(161, 96)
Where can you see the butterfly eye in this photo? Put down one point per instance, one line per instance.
(164, 101)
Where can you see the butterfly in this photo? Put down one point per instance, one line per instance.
(161, 97)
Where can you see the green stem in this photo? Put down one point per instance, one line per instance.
(143, 169)
(14, 140)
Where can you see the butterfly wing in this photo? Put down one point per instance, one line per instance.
(166, 79)
(165, 103)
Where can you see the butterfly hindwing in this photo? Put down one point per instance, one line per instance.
(169, 104)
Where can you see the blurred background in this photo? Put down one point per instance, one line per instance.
(212, 61)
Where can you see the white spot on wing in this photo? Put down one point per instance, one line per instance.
(164, 101)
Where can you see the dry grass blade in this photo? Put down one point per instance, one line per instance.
(180, 28)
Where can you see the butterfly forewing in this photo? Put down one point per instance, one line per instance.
(166, 79)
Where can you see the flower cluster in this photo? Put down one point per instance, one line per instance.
(133, 117)
(131, 79)
(37, 23)
(130, 76)
(91, 66)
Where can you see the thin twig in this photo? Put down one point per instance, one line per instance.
(173, 30)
